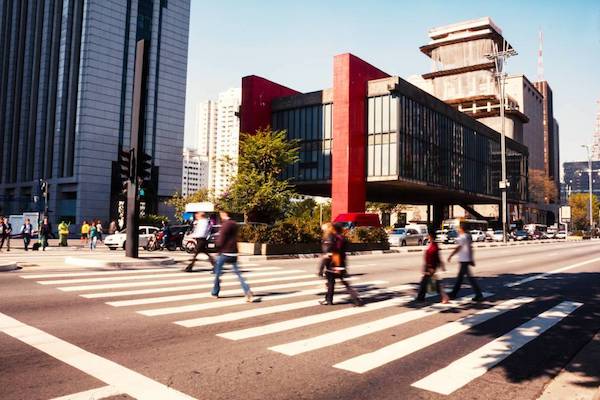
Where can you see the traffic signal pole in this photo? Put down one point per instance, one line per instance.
(137, 148)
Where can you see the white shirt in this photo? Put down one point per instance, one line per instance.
(201, 228)
(465, 253)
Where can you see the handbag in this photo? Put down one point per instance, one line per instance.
(432, 284)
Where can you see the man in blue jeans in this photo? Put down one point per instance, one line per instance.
(227, 245)
(465, 259)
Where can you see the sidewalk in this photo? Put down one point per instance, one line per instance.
(580, 379)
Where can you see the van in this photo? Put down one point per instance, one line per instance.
(352, 220)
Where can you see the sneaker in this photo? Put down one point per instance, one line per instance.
(325, 303)
(249, 297)
(478, 298)
(188, 269)
(358, 303)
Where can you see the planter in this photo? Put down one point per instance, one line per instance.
(368, 246)
(266, 249)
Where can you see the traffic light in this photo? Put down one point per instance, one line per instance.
(126, 167)
(144, 170)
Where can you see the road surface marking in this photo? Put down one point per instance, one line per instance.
(315, 319)
(235, 316)
(235, 292)
(183, 279)
(398, 350)
(459, 373)
(94, 394)
(353, 332)
(514, 261)
(109, 372)
(139, 277)
(226, 303)
(556, 271)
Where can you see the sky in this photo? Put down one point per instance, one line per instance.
(293, 43)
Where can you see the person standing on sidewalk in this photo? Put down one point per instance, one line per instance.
(45, 233)
(227, 246)
(26, 231)
(85, 233)
(465, 259)
(112, 227)
(6, 229)
(63, 233)
(201, 233)
(335, 267)
(93, 235)
(433, 261)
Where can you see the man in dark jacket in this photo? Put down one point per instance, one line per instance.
(227, 246)
(6, 229)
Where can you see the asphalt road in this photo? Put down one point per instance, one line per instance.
(156, 334)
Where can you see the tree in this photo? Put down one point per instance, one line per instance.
(178, 202)
(542, 189)
(579, 203)
(258, 191)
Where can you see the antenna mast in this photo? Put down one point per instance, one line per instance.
(540, 64)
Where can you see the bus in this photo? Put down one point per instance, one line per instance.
(469, 224)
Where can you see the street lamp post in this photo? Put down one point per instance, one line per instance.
(500, 58)
(590, 210)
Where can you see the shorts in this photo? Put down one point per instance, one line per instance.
(84, 235)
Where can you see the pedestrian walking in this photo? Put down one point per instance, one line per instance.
(201, 232)
(63, 233)
(85, 232)
(27, 231)
(465, 259)
(6, 229)
(432, 263)
(93, 235)
(227, 246)
(45, 233)
(99, 231)
(166, 234)
(334, 265)
(112, 227)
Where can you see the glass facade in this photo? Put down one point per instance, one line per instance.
(312, 127)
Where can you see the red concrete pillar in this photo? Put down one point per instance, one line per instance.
(348, 169)
(257, 94)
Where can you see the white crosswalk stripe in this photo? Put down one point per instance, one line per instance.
(459, 373)
(387, 354)
(343, 335)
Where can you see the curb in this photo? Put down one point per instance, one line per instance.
(8, 267)
(120, 264)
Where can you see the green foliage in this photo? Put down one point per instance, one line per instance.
(579, 203)
(153, 220)
(283, 232)
(365, 234)
(257, 190)
(178, 202)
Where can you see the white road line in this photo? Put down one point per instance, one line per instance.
(183, 279)
(556, 271)
(232, 302)
(235, 292)
(179, 274)
(315, 319)
(551, 255)
(236, 316)
(460, 372)
(353, 332)
(398, 350)
(93, 394)
(195, 287)
(109, 372)
(514, 261)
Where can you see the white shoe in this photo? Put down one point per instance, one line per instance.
(249, 297)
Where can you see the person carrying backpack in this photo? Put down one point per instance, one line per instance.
(334, 266)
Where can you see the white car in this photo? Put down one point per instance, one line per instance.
(498, 236)
(117, 241)
(477, 236)
(561, 235)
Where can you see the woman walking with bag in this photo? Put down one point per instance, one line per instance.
(334, 264)
(433, 261)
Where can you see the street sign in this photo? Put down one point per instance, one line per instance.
(565, 214)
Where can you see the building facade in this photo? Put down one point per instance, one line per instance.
(226, 145)
(194, 173)
(66, 87)
(576, 178)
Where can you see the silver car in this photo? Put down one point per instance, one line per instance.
(405, 237)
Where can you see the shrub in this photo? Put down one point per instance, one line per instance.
(153, 220)
(364, 234)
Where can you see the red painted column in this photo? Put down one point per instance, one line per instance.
(257, 94)
(348, 170)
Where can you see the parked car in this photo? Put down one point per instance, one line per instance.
(440, 236)
(189, 243)
(405, 237)
(352, 220)
(498, 236)
(451, 237)
(520, 235)
(489, 234)
(118, 239)
(561, 235)
(477, 236)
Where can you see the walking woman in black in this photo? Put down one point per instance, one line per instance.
(333, 263)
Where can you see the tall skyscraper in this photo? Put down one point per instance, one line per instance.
(194, 173)
(66, 89)
(227, 140)
(596, 138)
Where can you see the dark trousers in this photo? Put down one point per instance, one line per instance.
(465, 270)
(26, 240)
(331, 277)
(201, 247)
(423, 286)
(5, 238)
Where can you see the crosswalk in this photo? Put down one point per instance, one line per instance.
(185, 300)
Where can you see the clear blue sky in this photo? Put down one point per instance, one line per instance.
(293, 43)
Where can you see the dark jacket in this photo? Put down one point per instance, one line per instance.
(328, 244)
(46, 230)
(227, 239)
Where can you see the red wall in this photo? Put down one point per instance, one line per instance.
(350, 77)
(257, 94)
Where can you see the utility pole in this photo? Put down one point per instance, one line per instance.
(590, 210)
(500, 59)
